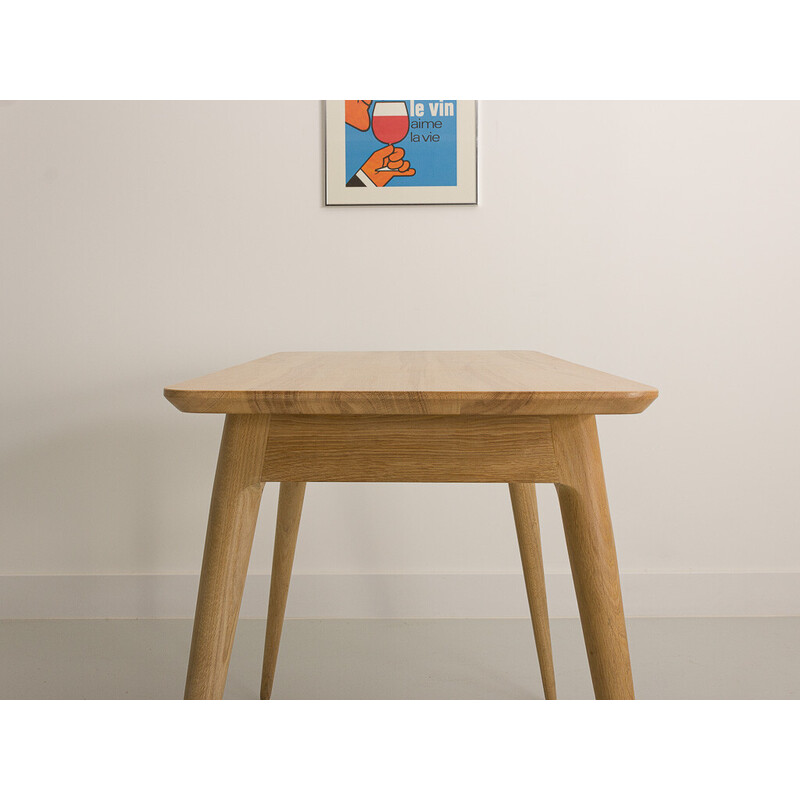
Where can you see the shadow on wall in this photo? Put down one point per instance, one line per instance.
(90, 487)
(116, 497)
(130, 496)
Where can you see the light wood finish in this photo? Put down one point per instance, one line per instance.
(395, 448)
(516, 417)
(526, 519)
(231, 523)
(592, 555)
(290, 506)
(417, 382)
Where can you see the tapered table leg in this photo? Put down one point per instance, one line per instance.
(290, 506)
(526, 519)
(592, 555)
(231, 525)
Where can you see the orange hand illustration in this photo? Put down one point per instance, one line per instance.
(391, 157)
(356, 113)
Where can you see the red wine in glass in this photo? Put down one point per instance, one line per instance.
(390, 123)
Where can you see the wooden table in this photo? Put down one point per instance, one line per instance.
(515, 417)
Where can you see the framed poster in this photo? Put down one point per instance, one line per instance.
(400, 152)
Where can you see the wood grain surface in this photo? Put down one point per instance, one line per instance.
(592, 555)
(395, 448)
(415, 382)
(235, 500)
(526, 519)
(290, 506)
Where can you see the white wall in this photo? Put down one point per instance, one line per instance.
(146, 243)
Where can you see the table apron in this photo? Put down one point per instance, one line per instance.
(460, 449)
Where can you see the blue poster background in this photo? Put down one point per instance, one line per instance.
(435, 162)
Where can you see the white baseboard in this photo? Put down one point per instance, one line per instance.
(396, 596)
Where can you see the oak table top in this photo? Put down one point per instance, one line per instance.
(480, 382)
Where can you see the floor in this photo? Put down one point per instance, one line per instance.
(687, 658)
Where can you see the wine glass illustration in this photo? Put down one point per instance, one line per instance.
(390, 124)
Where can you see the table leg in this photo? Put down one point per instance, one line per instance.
(592, 555)
(526, 518)
(231, 525)
(290, 506)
